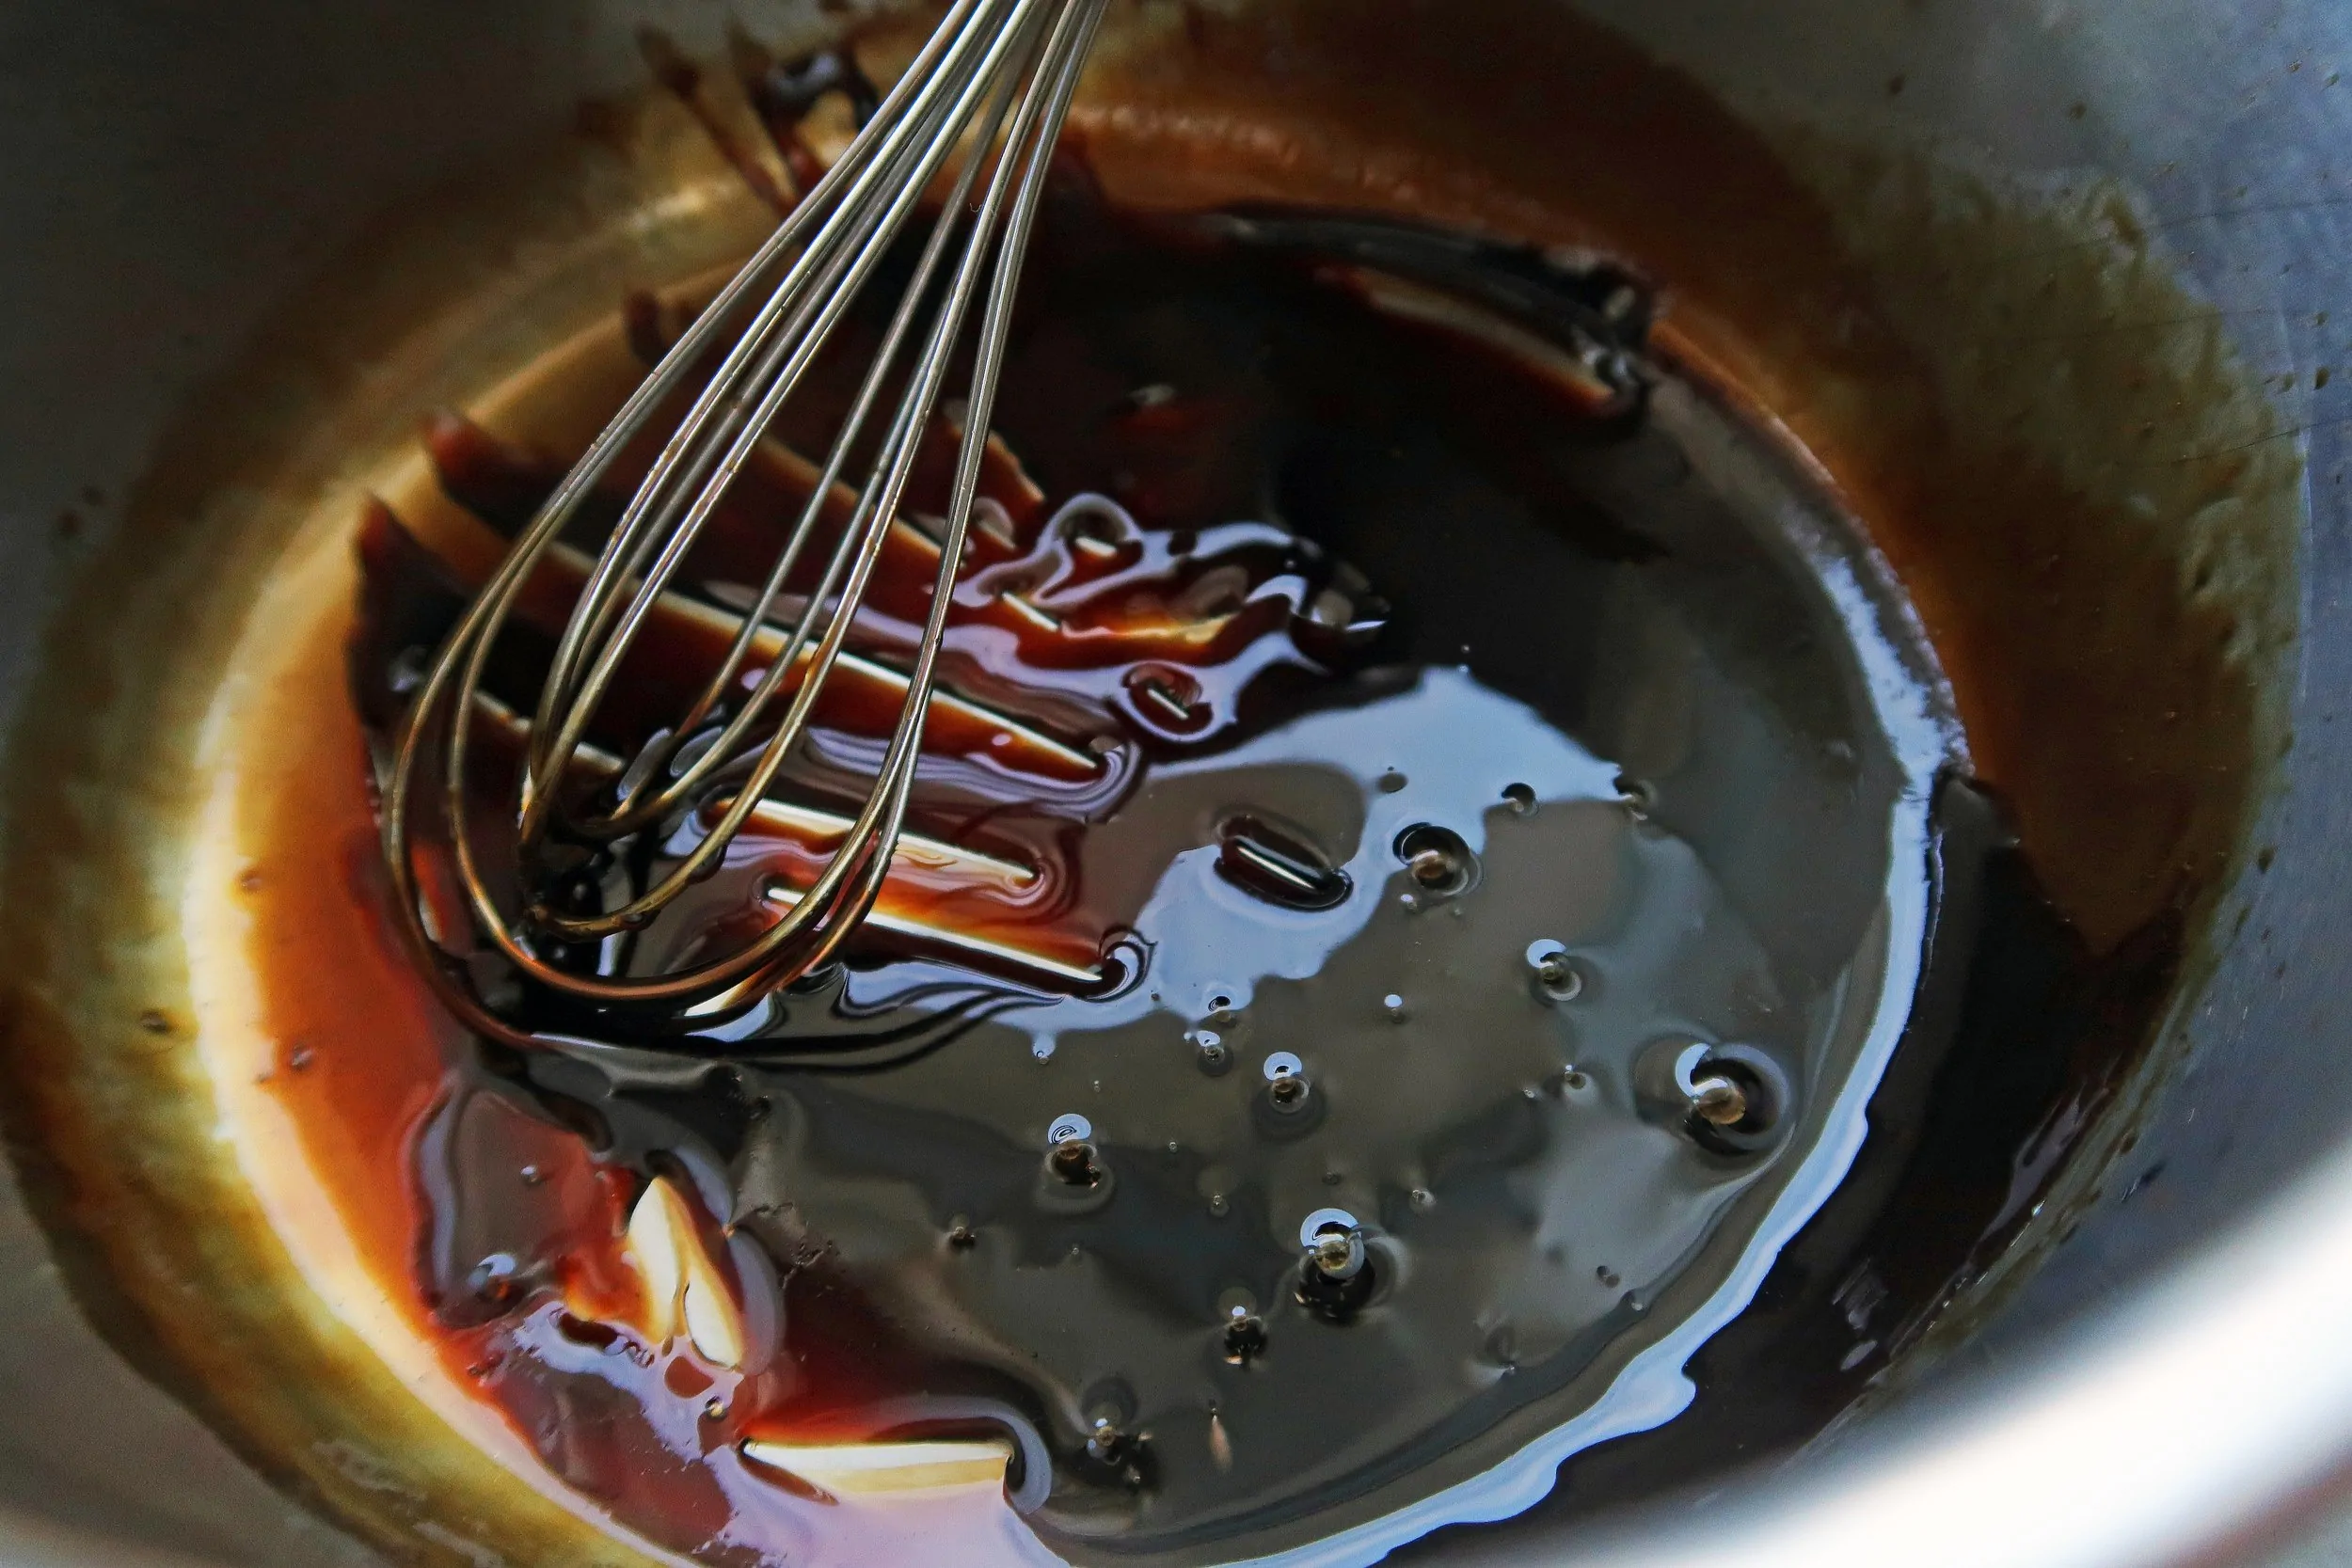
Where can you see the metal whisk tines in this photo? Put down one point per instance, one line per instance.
(995, 80)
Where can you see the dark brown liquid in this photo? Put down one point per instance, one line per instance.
(1307, 732)
(2098, 692)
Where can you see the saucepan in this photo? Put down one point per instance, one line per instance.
(2054, 287)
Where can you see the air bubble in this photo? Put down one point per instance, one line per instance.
(1520, 798)
(493, 1278)
(1106, 1443)
(1335, 1275)
(1394, 1005)
(1438, 860)
(1073, 1163)
(1718, 1100)
(1337, 1254)
(1555, 973)
(1211, 1052)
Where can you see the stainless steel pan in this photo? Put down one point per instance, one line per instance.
(2154, 1373)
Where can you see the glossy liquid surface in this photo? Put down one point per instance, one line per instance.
(1282, 851)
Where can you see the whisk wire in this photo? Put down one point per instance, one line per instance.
(801, 339)
(990, 60)
(849, 236)
(887, 807)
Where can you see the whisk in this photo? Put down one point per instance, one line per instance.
(995, 79)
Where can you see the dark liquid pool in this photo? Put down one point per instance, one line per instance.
(1449, 935)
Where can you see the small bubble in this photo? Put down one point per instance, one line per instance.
(1336, 1254)
(961, 1235)
(1106, 1443)
(250, 879)
(1245, 1338)
(1636, 795)
(1219, 1002)
(1438, 860)
(1074, 1163)
(1608, 1278)
(1556, 977)
(1720, 1101)
(715, 1409)
(533, 1176)
(155, 1022)
(1576, 1078)
(300, 1057)
(1042, 1050)
(1394, 1005)
(1220, 1205)
(1520, 798)
(493, 1278)
(1211, 1052)
(1407, 901)
(1390, 782)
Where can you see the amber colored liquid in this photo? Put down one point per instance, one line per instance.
(1353, 572)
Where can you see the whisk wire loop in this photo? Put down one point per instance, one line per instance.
(996, 78)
